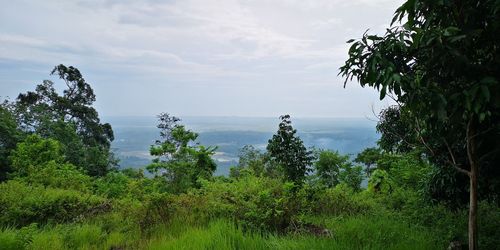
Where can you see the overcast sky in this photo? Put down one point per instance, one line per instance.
(191, 58)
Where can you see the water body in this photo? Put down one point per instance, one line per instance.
(134, 136)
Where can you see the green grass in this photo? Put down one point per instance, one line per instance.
(349, 233)
(353, 232)
(9, 240)
(47, 240)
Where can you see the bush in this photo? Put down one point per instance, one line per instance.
(380, 182)
(58, 175)
(113, 185)
(21, 204)
(341, 200)
(33, 152)
(256, 203)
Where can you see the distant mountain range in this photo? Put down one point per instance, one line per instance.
(134, 136)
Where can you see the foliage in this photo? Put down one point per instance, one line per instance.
(441, 65)
(328, 167)
(40, 161)
(113, 185)
(180, 162)
(445, 185)
(9, 240)
(289, 151)
(70, 119)
(34, 152)
(369, 158)
(257, 203)
(59, 175)
(341, 201)
(352, 176)
(409, 171)
(253, 161)
(9, 137)
(333, 168)
(52, 202)
(21, 204)
(397, 132)
(380, 182)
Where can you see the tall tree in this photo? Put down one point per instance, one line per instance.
(288, 150)
(9, 137)
(441, 64)
(177, 158)
(369, 157)
(396, 133)
(70, 119)
(334, 168)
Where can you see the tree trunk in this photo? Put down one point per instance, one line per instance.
(473, 176)
(473, 209)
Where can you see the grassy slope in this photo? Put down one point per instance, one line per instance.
(349, 233)
(379, 232)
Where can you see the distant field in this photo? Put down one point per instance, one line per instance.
(134, 135)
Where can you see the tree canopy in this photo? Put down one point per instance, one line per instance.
(441, 65)
(288, 150)
(69, 118)
(177, 158)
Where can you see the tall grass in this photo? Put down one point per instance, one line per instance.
(349, 233)
(9, 240)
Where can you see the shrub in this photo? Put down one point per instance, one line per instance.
(58, 175)
(257, 203)
(34, 151)
(380, 182)
(113, 185)
(341, 200)
(21, 204)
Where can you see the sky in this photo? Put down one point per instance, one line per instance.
(259, 58)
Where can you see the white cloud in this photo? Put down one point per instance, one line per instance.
(264, 44)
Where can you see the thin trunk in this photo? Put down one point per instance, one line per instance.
(473, 210)
(473, 175)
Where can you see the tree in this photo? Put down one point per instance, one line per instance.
(176, 158)
(333, 168)
(352, 176)
(328, 167)
(441, 64)
(256, 162)
(395, 129)
(289, 151)
(70, 119)
(369, 157)
(9, 137)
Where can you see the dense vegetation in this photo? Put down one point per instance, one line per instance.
(60, 187)
(441, 67)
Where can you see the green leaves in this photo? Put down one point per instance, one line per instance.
(178, 159)
(438, 64)
(332, 168)
(383, 92)
(289, 151)
(70, 119)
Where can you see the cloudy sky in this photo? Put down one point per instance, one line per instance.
(191, 58)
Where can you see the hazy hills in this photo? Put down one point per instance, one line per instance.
(134, 135)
